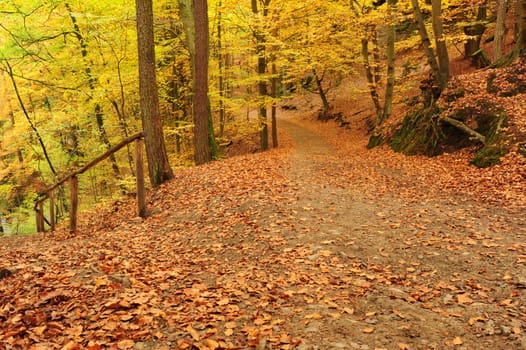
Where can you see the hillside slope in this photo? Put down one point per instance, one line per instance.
(320, 244)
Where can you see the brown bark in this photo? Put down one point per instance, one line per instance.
(440, 42)
(431, 88)
(221, 70)
(472, 50)
(158, 167)
(389, 88)
(500, 29)
(424, 36)
(201, 105)
(261, 69)
(274, 93)
(520, 44)
(461, 126)
(370, 79)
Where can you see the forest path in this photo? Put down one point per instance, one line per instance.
(441, 270)
(320, 244)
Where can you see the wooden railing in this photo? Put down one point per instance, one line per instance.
(73, 180)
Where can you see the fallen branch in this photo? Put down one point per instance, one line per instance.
(461, 126)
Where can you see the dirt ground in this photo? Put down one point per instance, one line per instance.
(439, 269)
(320, 244)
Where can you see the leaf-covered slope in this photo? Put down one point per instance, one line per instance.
(321, 245)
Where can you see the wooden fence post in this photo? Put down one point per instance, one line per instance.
(40, 216)
(52, 211)
(74, 202)
(139, 173)
(74, 186)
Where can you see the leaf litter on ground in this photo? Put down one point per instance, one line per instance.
(282, 250)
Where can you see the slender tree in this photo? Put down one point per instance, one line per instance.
(440, 42)
(9, 70)
(221, 68)
(431, 88)
(158, 167)
(500, 28)
(372, 78)
(194, 14)
(261, 69)
(391, 38)
(202, 113)
(520, 42)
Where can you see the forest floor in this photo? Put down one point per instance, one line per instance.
(320, 244)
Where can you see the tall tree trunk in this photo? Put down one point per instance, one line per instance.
(220, 64)
(194, 14)
(440, 42)
(371, 76)
(389, 88)
(520, 44)
(500, 29)
(326, 106)
(472, 48)
(158, 167)
(202, 152)
(431, 88)
(274, 94)
(261, 70)
(99, 115)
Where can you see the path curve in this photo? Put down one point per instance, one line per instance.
(438, 271)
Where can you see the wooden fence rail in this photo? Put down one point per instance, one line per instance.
(72, 179)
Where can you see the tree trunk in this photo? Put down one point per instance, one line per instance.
(274, 93)
(440, 42)
(424, 36)
(261, 69)
(201, 104)
(500, 29)
(371, 81)
(520, 44)
(389, 88)
(158, 167)
(194, 14)
(323, 95)
(432, 87)
(472, 50)
(220, 66)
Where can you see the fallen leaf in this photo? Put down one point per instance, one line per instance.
(223, 301)
(125, 344)
(368, 330)
(348, 310)
(474, 320)
(457, 341)
(464, 299)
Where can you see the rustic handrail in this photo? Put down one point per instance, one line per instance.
(73, 182)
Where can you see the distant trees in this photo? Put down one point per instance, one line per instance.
(74, 64)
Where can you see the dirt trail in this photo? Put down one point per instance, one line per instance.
(437, 273)
(323, 245)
